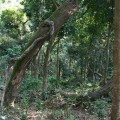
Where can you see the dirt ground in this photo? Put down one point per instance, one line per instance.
(55, 108)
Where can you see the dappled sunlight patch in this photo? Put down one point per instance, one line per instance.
(33, 115)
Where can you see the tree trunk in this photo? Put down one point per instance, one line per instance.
(45, 69)
(58, 67)
(115, 114)
(103, 91)
(35, 67)
(107, 55)
(92, 95)
(43, 34)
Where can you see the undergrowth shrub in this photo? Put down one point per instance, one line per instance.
(99, 108)
(39, 104)
(30, 84)
(29, 90)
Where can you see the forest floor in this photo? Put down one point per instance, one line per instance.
(54, 108)
(49, 114)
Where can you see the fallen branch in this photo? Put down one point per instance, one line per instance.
(92, 95)
(102, 91)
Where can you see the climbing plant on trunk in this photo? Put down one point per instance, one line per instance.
(46, 30)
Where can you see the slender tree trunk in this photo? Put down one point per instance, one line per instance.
(45, 69)
(81, 71)
(8, 72)
(58, 67)
(59, 17)
(115, 114)
(35, 69)
(107, 55)
(41, 62)
(69, 66)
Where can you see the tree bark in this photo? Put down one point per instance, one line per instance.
(45, 69)
(58, 66)
(92, 95)
(43, 34)
(107, 54)
(115, 114)
(102, 91)
(35, 64)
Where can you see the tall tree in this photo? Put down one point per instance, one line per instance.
(45, 31)
(115, 114)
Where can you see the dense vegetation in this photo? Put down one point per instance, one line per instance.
(70, 78)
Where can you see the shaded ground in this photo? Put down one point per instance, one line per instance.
(55, 108)
(50, 114)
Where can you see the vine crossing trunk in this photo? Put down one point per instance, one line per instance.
(43, 34)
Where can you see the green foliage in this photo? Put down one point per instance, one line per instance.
(71, 117)
(0, 80)
(35, 11)
(30, 84)
(29, 90)
(13, 20)
(62, 114)
(15, 51)
(45, 95)
(82, 52)
(52, 81)
(84, 88)
(39, 104)
(99, 107)
(25, 101)
(24, 115)
(102, 10)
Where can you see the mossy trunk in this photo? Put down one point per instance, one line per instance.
(59, 17)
